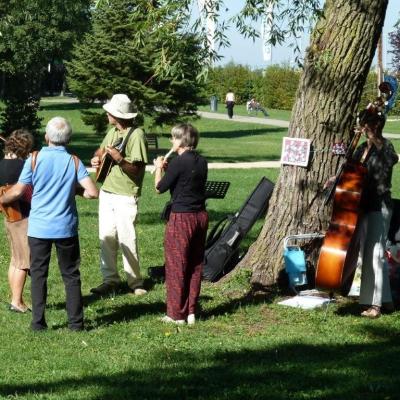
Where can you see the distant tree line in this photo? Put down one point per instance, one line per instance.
(274, 87)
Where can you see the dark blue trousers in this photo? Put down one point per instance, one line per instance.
(68, 255)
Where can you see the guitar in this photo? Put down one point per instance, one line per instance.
(107, 162)
(11, 211)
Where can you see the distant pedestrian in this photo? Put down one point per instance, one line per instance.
(230, 102)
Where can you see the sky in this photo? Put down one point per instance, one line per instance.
(244, 51)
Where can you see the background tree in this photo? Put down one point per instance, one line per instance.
(394, 38)
(241, 79)
(335, 70)
(143, 49)
(33, 33)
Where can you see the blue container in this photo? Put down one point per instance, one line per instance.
(295, 265)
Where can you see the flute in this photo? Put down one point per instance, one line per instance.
(165, 158)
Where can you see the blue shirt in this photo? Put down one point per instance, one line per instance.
(53, 208)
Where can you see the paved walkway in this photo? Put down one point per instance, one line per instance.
(264, 121)
(241, 118)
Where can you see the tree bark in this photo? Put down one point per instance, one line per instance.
(336, 66)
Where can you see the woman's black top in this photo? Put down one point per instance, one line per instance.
(10, 169)
(378, 183)
(186, 178)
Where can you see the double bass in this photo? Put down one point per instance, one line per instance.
(340, 249)
(339, 252)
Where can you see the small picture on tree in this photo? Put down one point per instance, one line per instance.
(295, 151)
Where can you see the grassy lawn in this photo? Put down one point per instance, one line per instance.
(247, 142)
(241, 348)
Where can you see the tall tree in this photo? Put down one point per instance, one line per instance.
(335, 69)
(336, 66)
(143, 49)
(394, 38)
(33, 33)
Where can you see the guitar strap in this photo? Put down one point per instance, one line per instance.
(125, 142)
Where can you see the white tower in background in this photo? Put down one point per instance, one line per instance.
(206, 9)
(266, 25)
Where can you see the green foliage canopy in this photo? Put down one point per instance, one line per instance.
(33, 33)
(141, 49)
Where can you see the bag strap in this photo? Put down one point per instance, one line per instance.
(34, 159)
(217, 230)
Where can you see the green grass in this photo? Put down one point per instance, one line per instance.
(247, 142)
(241, 348)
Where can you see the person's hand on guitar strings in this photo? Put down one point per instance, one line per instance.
(114, 153)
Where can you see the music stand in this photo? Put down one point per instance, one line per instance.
(216, 189)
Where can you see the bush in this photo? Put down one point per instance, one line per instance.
(277, 87)
(240, 79)
(273, 88)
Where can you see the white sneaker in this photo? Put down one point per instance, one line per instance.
(139, 291)
(191, 319)
(169, 320)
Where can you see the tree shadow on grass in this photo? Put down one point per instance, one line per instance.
(125, 313)
(121, 290)
(68, 106)
(232, 305)
(279, 372)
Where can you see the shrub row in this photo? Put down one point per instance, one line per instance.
(274, 87)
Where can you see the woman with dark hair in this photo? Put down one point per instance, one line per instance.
(17, 148)
(186, 229)
(379, 156)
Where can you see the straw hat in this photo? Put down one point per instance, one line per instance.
(120, 106)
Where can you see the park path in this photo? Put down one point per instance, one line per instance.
(264, 121)
(248, 119)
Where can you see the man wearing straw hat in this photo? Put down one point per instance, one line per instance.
(118, 200)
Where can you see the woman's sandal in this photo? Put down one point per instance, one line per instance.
(372, 312)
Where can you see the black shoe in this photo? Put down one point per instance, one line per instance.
(76, 328)
(104, 289)
(38, 328)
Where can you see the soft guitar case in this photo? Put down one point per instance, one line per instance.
(222, 246)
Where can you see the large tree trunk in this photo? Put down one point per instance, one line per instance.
(336, 67)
